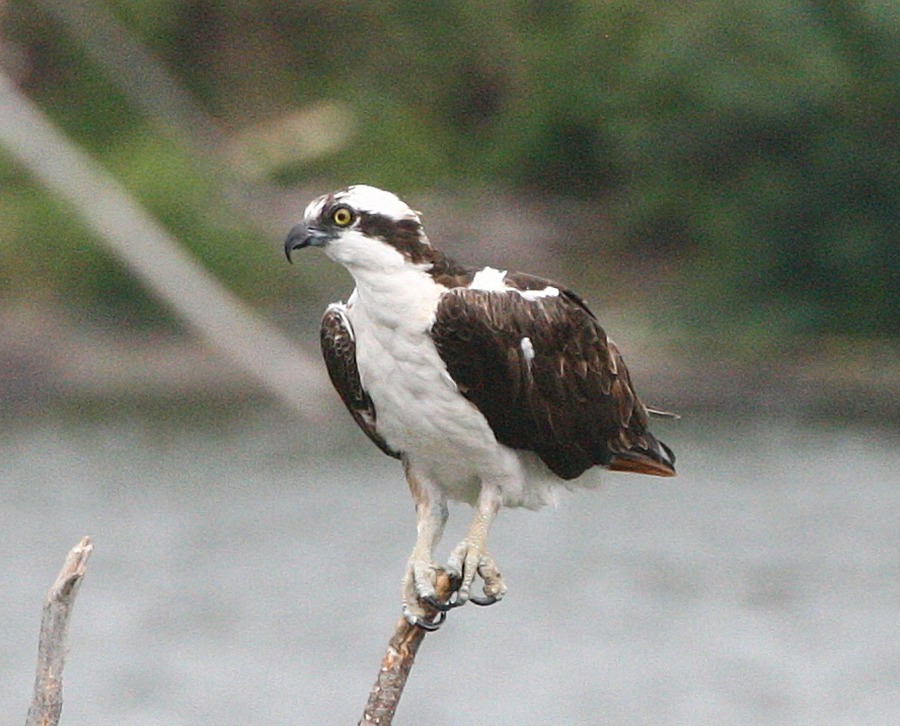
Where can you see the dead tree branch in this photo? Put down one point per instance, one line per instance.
(397, 662)
(46, 705)
(152, 254)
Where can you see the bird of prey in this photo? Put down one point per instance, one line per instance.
(492, 388)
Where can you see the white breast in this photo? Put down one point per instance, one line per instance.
(419, 410)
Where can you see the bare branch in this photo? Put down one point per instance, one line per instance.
(397, 662)
(46, 705)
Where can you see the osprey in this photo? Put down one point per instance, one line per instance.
(491, 388)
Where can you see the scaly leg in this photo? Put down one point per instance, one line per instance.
(421, 570)
(470, 557)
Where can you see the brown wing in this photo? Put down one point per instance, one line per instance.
(339, 351)
(546, 377)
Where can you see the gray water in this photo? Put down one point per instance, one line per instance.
(247, 572)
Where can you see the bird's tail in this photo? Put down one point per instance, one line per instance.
(647, 456)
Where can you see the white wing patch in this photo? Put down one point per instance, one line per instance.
(548, 291)
(489, 280)
(527, 350)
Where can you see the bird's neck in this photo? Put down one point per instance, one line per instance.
(397, 298)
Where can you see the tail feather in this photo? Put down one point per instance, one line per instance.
(654, 458)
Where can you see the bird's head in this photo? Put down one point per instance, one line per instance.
(362, 227)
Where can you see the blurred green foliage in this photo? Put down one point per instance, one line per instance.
(749, 149)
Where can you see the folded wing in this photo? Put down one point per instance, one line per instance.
(544, 374)
(339, 351)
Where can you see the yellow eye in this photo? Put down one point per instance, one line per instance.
(342, 216)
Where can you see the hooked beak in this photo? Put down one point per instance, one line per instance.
(304, 235)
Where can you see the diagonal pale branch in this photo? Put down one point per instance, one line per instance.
(397, 662)
(152, 254)
(46, 705)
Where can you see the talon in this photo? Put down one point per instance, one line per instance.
(483, 601)
(442, 606)
(433, 602)
(418, 582)
(419, 622)
(433, 625)
(472, 562)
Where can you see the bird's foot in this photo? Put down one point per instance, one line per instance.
(466, 561)
(422, 606)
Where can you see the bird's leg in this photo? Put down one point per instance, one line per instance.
(470, 557)
(421, 570)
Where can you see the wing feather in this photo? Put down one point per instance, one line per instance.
(339, 351)
(566, 395)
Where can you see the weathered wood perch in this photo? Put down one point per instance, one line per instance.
(397, 662)
(46, 704)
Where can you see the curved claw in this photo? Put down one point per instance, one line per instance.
(483, 601)
(418, 622)
(430, 626)
(433, 625)
(442, 606)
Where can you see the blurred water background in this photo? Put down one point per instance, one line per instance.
(247, 572)
(719, 181)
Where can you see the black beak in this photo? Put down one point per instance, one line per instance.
(303, 235)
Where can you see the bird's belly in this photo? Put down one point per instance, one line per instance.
(418, 408)
(420, 412)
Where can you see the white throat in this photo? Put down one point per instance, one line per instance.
(390, 291)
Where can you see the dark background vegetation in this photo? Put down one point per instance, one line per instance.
(743, 156)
